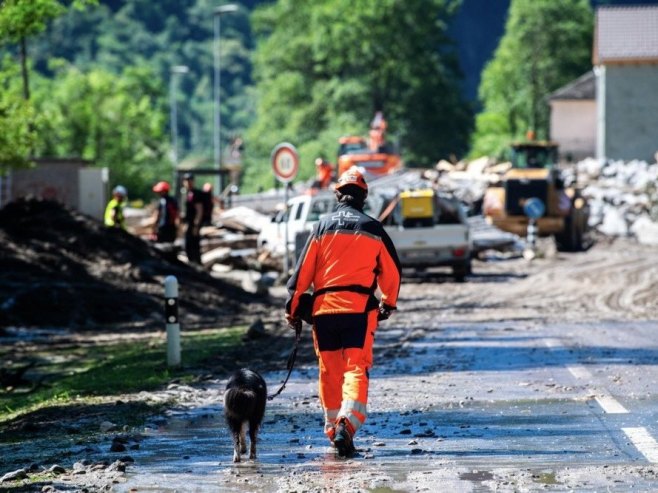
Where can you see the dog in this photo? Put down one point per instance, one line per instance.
(244, 407)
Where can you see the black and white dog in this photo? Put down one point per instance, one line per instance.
(244, 407)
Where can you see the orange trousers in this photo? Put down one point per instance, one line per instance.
(343, 344)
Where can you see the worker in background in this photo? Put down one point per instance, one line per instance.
(346, 258)
(377, 132)
(208, 203)
(324, 174)
(114, 211)
(166, 221)
(193, 219)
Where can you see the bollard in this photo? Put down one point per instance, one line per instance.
(171, 317)
(532, 234)
(531, 241)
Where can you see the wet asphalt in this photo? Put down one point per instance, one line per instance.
(521, 405)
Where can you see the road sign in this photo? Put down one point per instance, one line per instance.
(285, 162)
(534, 208)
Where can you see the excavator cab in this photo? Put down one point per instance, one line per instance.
(534, 155)
(374, 155)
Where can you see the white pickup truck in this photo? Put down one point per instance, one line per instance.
(423, 238)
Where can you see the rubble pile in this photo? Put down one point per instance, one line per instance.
(623, 196)
(59, 268)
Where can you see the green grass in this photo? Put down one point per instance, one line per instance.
(92, 373)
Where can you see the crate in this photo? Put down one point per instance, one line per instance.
(417, 204)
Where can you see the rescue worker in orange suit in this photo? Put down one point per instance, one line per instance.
(324, 173)
(347, 257)
(166, 220)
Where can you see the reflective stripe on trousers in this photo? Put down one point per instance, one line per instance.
(343, 368)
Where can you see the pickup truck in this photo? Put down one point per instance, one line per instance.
(428, 230)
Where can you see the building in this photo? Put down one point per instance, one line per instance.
(73, 182)
(573, 118)
(611, 112)
(625, 58)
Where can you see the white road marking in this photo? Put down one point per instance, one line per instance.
(644, 442)
(610, 405)
(580, 372)
(640, 436)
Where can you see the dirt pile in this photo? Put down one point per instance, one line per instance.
(59, 268)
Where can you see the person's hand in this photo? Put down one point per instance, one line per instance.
(294, 323)
(384, 312)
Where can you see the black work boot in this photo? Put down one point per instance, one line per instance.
(343, 440)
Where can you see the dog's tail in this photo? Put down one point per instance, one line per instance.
(241, 402)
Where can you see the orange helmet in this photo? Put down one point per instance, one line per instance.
(352, 177)
(161, 186)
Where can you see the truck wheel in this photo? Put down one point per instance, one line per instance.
(460, 271)
(571, 239)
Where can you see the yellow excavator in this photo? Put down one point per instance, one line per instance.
(533, 189)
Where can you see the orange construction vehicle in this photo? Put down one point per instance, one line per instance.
(375, 156)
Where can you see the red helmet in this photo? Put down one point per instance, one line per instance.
(161, 186)
(352, 177)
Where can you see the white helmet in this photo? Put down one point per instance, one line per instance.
(120, 190)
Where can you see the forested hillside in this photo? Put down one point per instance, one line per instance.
(101, 83)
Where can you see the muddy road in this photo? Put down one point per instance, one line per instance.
(530, 376)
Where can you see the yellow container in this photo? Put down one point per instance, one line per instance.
(417, 204)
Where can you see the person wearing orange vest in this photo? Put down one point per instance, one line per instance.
(324, 173)
(347, 257)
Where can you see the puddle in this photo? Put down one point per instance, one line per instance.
(476, 476)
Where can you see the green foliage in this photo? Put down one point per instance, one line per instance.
(116, 121)
(547, 43)
(491, 136)
(22, 18)
(323, 68)
(112, 369)
(160, 35)
(18, 132)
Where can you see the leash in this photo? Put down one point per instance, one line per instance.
(291, 359)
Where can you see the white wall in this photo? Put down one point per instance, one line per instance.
(573, 126)
(93, 191)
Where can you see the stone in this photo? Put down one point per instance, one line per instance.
(106, 426)
(14, 475)
(56, 469)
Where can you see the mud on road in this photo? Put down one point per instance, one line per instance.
(512, 381)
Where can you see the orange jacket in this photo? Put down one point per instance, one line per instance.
(346, 257)
(325, 173)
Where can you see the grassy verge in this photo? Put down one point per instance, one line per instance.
(91, 374)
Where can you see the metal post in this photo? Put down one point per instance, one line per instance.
(175, 71)
(171, 317)
(286, 265)
(223, 9)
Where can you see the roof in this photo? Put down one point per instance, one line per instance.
(583, 88)
(626, 35)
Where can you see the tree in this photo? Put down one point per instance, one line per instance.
(323, 68)
(20, 19)
(546, 44)
(117, 121)
(17, 117)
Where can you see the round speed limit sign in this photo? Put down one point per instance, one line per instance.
(285, 162)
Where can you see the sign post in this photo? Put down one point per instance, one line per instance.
(534, 208)
(285, 164)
